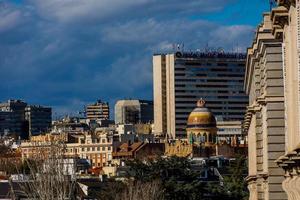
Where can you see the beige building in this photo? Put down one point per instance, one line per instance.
(180, 79)
(97, 111)
(286, 27)
(273, 129)
(96, 148)
(264, 121)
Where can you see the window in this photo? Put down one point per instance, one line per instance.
(82, 149)
(108, 148)
(103, 140)
(88, 149)
(103, 148)
(93, 148)
(98, 148)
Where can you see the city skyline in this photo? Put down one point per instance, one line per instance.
(68, 54)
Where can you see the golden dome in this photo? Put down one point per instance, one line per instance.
(201, 117)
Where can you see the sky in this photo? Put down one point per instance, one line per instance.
(68, 53)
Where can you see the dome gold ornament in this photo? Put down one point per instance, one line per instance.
(200, 103)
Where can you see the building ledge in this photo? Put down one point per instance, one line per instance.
(251, 178)
(286, 3)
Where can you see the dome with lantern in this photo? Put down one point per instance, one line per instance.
(201, 125)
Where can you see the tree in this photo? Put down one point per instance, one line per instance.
(137, 190)
(48, 178)
(178, 180)
(234, 186)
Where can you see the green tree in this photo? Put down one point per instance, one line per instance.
(234, 186)
(177, 178)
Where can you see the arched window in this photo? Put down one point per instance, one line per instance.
(191, 139)
(210, 137)
(204, 138)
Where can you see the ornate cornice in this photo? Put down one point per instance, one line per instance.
(280, 18)
(261, 100)
(263, 175)
(251, 178)
(290, 161)
(286, 3)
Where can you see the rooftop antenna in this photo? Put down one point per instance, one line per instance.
(206, 48)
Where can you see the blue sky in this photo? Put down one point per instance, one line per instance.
(67, 53)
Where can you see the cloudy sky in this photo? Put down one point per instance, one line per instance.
(67, 53)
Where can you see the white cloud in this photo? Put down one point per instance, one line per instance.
(44, 60)
(82, 10)
(235, 36)
(9, 19)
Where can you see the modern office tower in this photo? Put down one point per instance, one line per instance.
(38, 119)
(13, 117)
(133, 111)
(182, 78)
(97, 111)
(5, 122)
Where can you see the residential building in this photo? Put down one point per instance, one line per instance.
(69, 125)
(13, 118)
(265, 119)
(96, 148)
(181, 78)
(39, 119)
(133, 111)
(138, 150)
(230, 132)
(97, 111)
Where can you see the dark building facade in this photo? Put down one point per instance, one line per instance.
(133, 111)
(19, 119)
(12, 119)
(38, 119)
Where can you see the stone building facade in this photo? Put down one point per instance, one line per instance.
(97, 148)
(264, 121)
(286, 26)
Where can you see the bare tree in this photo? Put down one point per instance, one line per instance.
(137, 190)
(49, 176)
